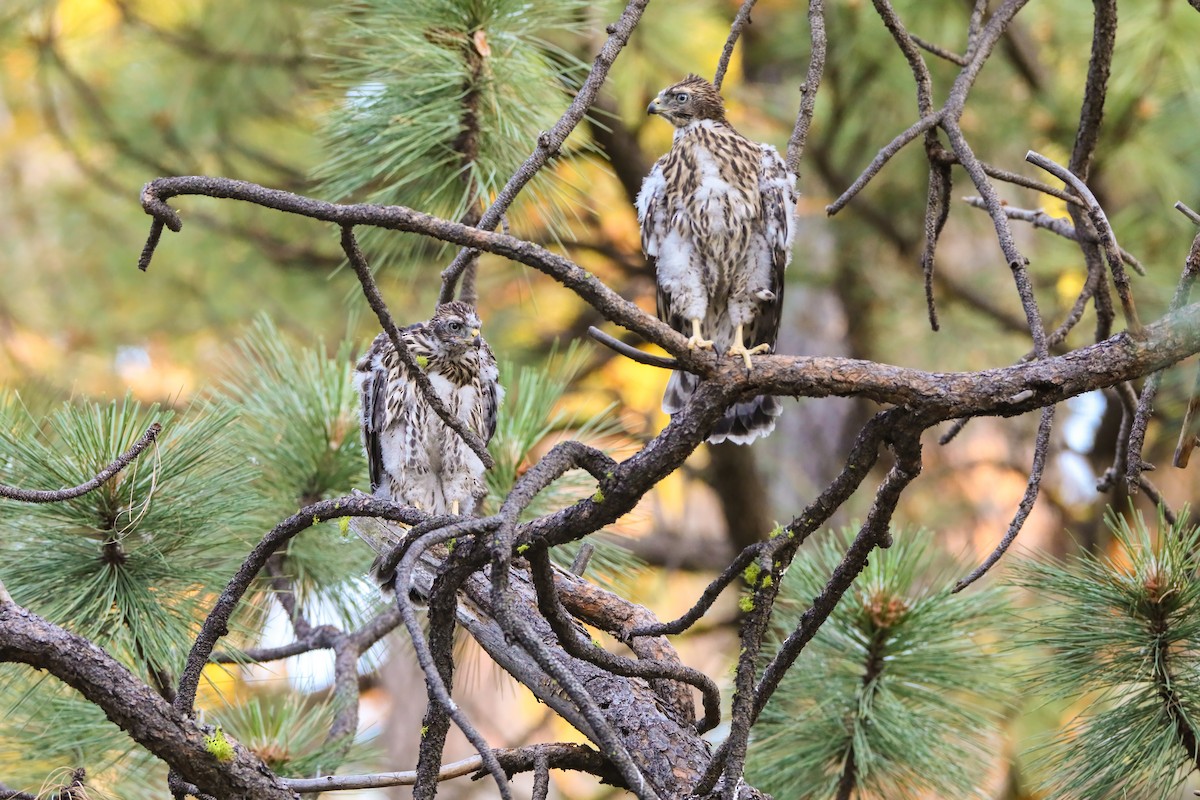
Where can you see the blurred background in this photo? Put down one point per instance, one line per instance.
(365, 101)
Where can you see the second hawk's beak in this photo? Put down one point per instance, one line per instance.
(475, 340)
(653, 107)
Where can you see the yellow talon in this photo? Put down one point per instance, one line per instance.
(739, 349)
(696, 340)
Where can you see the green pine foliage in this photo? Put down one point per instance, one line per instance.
(49, 729)
(528, 421)
(442, 100)
(901, 681)
(1123, 633)
(298, 420)
(134, 564)
(298, 412)
(289, 732)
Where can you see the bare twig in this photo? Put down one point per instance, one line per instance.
(1187, 212)
(559, 756)
(1091, 112)
(940, 52)
(580, 563)
(812, 82)
(631, 352)
(881, 158)
(1156, 497)
(1041, 447)
(1112, 250)
(937, 202)
(1040, 219)
(59, 495)
(1145, 407)
(735, 30)
(707, 597)
(1188, 437)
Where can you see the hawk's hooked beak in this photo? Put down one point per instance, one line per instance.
(476, 340)
(653, 107)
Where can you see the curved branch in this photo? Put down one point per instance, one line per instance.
(611, 305)
(1040, 449)
(572, 640)
(59, 495)
(629, 351)
(735, 31)
(1112, 251)
(216, 624)
(707, 597)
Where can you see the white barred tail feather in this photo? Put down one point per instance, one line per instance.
(742, 423)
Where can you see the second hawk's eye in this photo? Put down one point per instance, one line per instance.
(681, 97)
(455, 326)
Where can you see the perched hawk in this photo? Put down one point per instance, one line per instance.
(717, 214)
(413, 457)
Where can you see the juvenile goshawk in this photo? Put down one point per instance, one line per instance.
(414, 458)
(717, 214)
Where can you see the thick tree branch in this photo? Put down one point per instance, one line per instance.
(137, 709)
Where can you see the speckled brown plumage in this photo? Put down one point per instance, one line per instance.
(717, 219)
(413, 457)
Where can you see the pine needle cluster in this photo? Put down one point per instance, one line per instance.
(289, 732)
(897, 695)
(132, 564)
(299, 423)
(1120, 636)
(442, 100)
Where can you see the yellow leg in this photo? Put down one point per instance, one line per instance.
(696, 340)
(454, 507)
(739, 349)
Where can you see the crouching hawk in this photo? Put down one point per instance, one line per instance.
(413, 457)
(717, 214)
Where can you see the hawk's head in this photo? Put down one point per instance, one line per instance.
(455, 327)
(693, 98)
